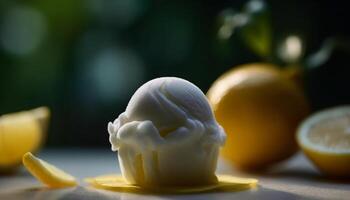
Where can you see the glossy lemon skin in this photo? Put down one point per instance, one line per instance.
(260, 109)
(331, 164)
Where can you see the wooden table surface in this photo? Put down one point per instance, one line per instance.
(293, 179)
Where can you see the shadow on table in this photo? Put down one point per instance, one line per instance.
(257, 193)
(17, 171)
(36, 193)
(90, 193)
(306, 175)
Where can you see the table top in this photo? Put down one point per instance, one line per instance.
(293, 179)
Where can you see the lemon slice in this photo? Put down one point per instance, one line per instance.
(117, 183)
(19, 133)
(325, 139)
(47, 173)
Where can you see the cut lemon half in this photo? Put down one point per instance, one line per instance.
(47, 173)
(325, 139)
(115, 182)
(21, 132)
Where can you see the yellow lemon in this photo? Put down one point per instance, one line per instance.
(325, 139)
(19, 133)
(260, 109)
(47, 173)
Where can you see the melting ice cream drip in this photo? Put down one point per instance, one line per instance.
(185, 154)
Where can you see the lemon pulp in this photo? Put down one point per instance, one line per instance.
(333, 134)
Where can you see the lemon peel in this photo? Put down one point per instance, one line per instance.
(46, 173)
(260, 109)
(115, 182)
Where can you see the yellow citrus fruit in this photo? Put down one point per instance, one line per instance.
(48, 174)
(19, 133)
(260, 109)
(325, 139)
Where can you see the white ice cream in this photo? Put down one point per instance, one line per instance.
(168, 135)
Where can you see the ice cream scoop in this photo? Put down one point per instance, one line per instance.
(168, 135)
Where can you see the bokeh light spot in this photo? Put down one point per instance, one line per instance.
(23, 29)
(291, 49)
(113, 75)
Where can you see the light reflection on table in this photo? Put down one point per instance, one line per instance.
(295, 179)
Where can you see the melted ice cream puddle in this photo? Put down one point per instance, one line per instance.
(167, 136)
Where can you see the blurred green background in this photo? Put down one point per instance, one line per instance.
(85, 58)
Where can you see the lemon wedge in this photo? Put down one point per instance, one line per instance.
(115, 182)
(19, 133)
(47, 173)
(325, 139)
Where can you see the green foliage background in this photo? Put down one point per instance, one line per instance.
(91, 55)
